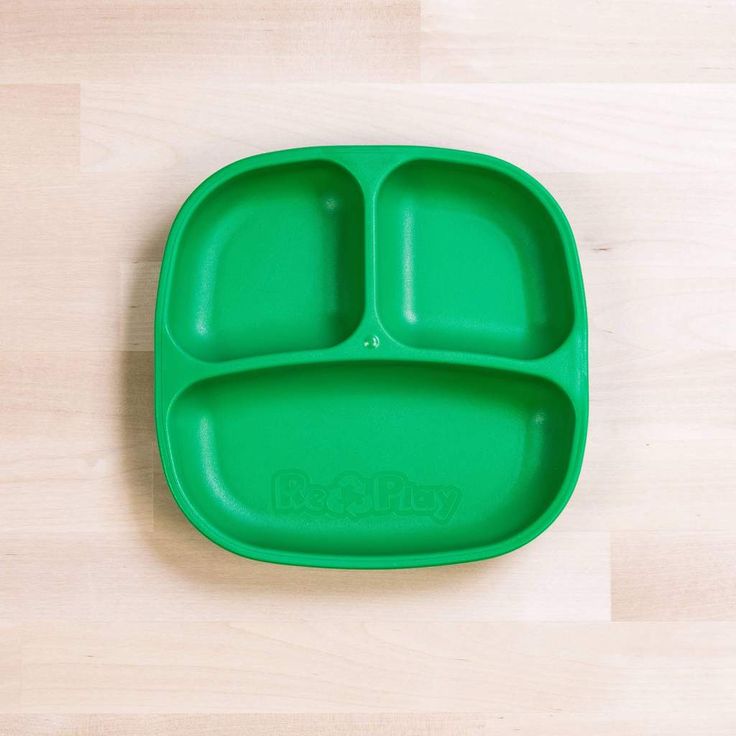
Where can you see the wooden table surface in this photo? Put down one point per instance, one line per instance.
(117, 617)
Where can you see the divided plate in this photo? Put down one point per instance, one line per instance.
(371, 357)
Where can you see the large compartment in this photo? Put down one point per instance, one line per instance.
(370, 459)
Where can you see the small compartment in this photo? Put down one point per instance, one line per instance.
(371, 464)
(271, 260)
(470, 259)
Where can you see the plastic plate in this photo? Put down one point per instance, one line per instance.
(371, 357)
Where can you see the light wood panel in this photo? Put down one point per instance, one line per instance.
(566, 575)
(578, 40)
(117, 617)
(674, 576)
(272, 40)
(337, 724)
(39, 137)
(410, 666)
(541, 127)
(93, 217)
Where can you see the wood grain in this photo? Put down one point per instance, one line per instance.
(39, 137)
(117, 617)
(115, 574)
(337, 724)
(578, 40)
(271, 40)
(542, 127)
(674, 576)
(277, 666)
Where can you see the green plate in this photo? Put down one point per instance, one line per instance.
(371, 357)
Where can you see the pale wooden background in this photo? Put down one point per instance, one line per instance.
(117, 617)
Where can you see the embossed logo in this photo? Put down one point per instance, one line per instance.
(354, 496)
